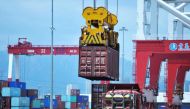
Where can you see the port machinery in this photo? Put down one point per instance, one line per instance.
(25, 47)
(150, 54)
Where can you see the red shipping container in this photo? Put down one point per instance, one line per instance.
(6, 102)
(58, 97)
(60, 105)
(3, 84)
(32, 92)
(73, 105)
(98, 63)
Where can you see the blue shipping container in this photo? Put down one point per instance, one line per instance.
(32, 98)
(67, 104)
(20, 101)
(82, 99)
(64, 98)
(11, 92)
(47, 103)
(21, 85)
(20, 107)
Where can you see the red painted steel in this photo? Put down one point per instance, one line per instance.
(26, 48)
(181, 74)
(43, 50)
(155, 63)
(156, 51)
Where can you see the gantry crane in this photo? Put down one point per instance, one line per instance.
(25, 47)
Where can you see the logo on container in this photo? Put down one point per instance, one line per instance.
(173, 46)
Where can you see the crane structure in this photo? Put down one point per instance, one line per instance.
(26, 48)
(99, 29)
(151, 52)
(154, 52)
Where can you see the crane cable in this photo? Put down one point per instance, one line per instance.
(94, 4)
(82, 4)
(117, 8)
(106, 4)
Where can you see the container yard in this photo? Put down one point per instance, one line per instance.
(95, 54)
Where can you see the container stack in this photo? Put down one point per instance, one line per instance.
(75, 100)
(14, 95)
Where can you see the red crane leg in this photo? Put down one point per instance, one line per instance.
(172, 74)
(141, 66)
(155, 62)
(181, 75)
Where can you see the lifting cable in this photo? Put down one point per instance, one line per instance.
(82, 4)
(117, 8)
(94, 4)
(106, 4)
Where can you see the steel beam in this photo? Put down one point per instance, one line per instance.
(155, 64)
(174, 11)
(10, 68)
(177, 1)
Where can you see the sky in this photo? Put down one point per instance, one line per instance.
(32, 19)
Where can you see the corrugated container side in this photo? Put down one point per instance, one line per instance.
(3, 84)
(64, 98)
(71, 98)
(75, 92)
(32, 92)
(82, 105)
(37, 103)
(10, 91)
(20, 102)
(98, 63)
(70, 105)
(82, 99)
(16, 84)
(58, 97)
(33, 98)
(20, 107)
(5, 103)
(23, 93)
(47, 103)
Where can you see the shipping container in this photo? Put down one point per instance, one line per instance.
(11, 91)
(20, 102)
(61, 105)
(3, 84)
(82, 105)
(37, 103)
(58, 97)
(16, 84)
(82, 99)
(23, 93)
(33, 98)
(67, 98)
(71, 99)
(70, 105)
(75, 92)
(46, 96)
(47, 103)
(64, 98)
(20, 107)
(98, 63)
(5, 103)
(32, 92)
